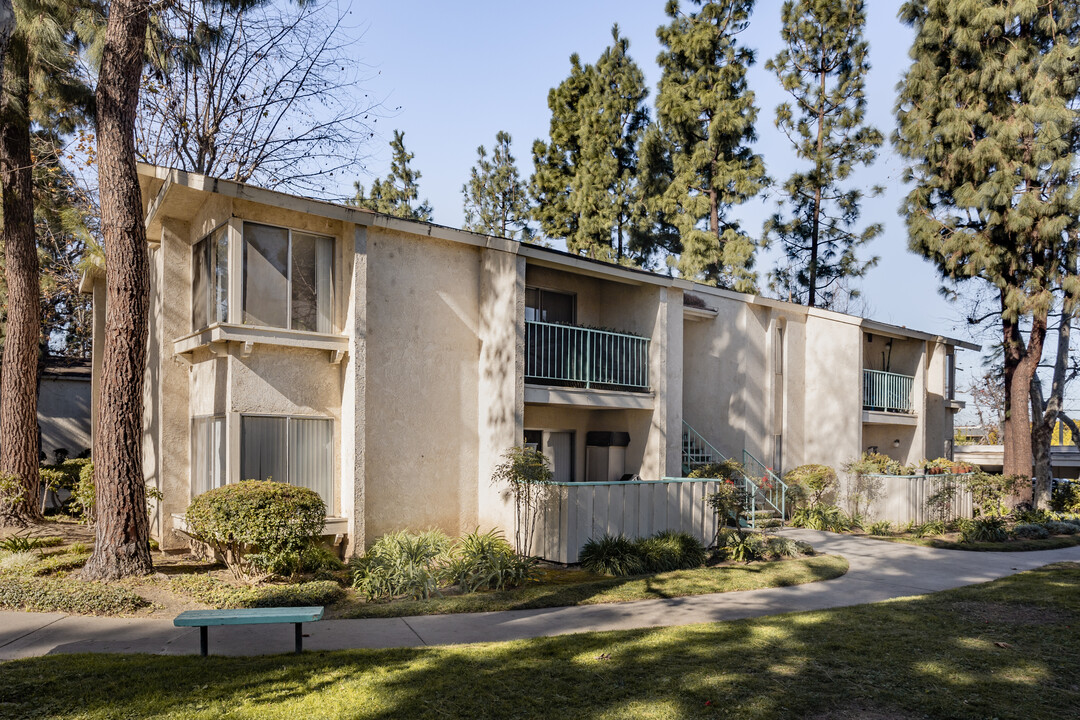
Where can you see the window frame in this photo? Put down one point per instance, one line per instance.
(541, 290)
(331, 301)
(210, 285)
(330, 502)
(224, 450)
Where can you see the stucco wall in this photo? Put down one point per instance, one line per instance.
(64, 414)
(832, 409)
(422, 383)
(726, 376)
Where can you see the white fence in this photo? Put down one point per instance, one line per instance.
(902, 498)
(634, 508)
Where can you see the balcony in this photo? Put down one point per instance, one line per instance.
(887, 392)
(579, 357)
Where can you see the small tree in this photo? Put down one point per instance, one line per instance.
(529, 476)
(496, 199)
(397, 193)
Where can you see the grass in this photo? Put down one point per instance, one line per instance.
(1051, 543)
(559, 589)
(1006, 649)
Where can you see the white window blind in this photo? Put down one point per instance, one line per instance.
(207, 454)
(298, 451)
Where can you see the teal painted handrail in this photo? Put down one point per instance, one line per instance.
(749, 486)
(775, 488)
(568, 353)
(888, 392)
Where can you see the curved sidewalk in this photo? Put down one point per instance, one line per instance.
(879, 570)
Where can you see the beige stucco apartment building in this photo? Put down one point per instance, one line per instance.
(388, 364)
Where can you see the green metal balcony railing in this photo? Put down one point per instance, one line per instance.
(888, 392)
(571, 354)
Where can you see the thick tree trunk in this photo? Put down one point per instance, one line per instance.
(122, 546)
(7, 27)
(18, 384)
(1020, 363)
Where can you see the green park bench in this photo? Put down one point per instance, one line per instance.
(203, 619)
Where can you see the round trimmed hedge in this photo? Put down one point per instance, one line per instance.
(259, 527)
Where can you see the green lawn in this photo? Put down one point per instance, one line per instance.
(1007, 649)
(558, 589)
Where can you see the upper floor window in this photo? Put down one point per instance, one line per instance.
(210, 279)
(549, 306)
(288, 278)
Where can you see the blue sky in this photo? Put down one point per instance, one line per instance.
(451, 75)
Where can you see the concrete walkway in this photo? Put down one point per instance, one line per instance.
(879, 570)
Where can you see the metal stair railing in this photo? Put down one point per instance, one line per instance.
(695, 440)
(774, 489)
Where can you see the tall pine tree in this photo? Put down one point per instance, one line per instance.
(496, 200)
(987, 120)
(823, 66)
(398, 192)
(585, 184)
(707, 114)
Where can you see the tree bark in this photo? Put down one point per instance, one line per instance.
(1021, 362)
(7, 27)
(18, 384)
(122, 546)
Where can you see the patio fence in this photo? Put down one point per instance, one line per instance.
(634, 508)
(902, 498)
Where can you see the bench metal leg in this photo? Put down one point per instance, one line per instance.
(299, 638)
(203, 644)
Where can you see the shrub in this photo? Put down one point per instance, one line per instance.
(739, 547)
(1057, 527)
(611, 555)
(670, 550)
(728, 502)
(991, 493)
(1066, 497)
(65, 594)
(84, 497)
(486, 561)
(990, 528)
(810, 484)
(52, 480)
(317, 558)
(221, 595)
(881, 528)
(780, 547)
(11, 494)
(726, 470)
(823, 517)
(1030, 531)
(260, 528)
(401, 563)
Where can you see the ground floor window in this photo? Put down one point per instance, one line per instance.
(207, 454)
(294, 450)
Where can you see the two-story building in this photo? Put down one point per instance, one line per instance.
(388, 364)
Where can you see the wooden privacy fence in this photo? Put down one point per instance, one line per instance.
(634, 508)
(903, 498)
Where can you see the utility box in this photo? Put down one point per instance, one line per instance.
(605, 456)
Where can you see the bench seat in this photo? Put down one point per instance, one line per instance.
(202, 619)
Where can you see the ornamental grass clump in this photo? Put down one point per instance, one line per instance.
(670, 550)
(1030, 531)
(259, 528)
(990, 528)
(611, 555)
(403, 564)
(486, 561)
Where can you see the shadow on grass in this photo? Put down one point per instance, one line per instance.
(940, 655)
(678, 583)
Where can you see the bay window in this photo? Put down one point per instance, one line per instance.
(288, 279)
(294, 450)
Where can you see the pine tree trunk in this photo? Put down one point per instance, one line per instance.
(122, 546)
(7, 27)
(1020, 364)
(18, 384)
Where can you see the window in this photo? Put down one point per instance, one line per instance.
(207, 454)
(549, 306)
(288, 279)
(210, 279)
(294, 450)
